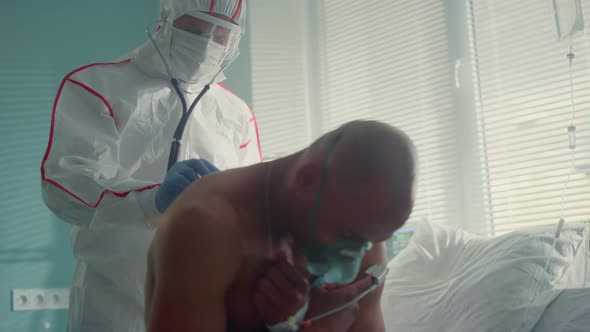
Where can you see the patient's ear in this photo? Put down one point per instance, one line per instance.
(307, 179)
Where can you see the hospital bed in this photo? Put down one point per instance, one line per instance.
(444, 279)
(569, 312)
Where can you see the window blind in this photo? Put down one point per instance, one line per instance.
(389, 61)
(279, 75)
(523, 105)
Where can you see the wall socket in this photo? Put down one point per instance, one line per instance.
(40, 299)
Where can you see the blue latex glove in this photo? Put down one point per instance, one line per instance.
(178, 178)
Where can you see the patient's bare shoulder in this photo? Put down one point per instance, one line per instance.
(206, 234)
(199, 212)
(195, 258)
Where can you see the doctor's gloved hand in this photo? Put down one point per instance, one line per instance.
(178, 178)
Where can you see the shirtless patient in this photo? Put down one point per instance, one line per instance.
(220, 236)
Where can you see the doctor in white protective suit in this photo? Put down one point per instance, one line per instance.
(128, 137)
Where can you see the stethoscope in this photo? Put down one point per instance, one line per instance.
(186, 114)
(186, 111)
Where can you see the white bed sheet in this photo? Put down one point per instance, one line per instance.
(449, 280)
(569, 312)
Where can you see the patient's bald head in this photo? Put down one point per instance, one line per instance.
(367, 171)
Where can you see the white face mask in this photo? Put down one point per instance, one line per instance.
(194, 58)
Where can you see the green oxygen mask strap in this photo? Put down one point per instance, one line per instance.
(323, 180)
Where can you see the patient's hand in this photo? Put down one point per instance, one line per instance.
(329, 297)
(281, 292)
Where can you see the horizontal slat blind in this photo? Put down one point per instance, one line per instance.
(389, 61)
(525, 108)
(279, 86)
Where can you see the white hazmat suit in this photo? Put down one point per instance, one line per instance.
(111, 129)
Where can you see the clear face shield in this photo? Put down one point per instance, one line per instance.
(201, 46)
(223, 34)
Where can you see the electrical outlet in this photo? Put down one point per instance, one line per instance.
(40, 299)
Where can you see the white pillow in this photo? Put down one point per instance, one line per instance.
(449, 280)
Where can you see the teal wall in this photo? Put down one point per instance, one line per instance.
(40, 41)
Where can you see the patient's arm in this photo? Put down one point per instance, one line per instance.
(195, 257)
(370, 318)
